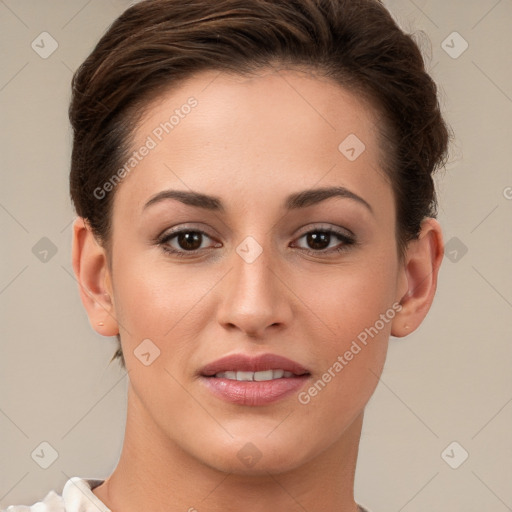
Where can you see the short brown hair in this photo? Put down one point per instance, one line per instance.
(158, 43)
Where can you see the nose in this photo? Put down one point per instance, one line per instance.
(255, 298)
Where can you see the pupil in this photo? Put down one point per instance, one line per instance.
(189, 240)
(318, 240)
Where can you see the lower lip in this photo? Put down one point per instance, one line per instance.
(254, 392)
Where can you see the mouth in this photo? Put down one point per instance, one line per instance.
(247, 380)
(260, 376)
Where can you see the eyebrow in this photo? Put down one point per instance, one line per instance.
(294, 201)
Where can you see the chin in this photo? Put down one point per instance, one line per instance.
(258, 455)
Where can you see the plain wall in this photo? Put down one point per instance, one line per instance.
(448, 381)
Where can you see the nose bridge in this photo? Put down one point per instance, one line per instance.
(254, 298)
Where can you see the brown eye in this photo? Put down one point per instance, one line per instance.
(185, 242)
(189, 240)
(318, 239)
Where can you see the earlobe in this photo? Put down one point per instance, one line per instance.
(91, 270)
(420, 271)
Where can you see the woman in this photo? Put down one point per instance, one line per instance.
(256, 216)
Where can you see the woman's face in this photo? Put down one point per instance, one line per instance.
(264, 278)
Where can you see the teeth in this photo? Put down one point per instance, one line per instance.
(266, 375)
(254, 376)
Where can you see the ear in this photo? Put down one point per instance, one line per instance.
(419, 278)
(91, 269)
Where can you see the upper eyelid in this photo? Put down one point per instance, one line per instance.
(315, 227)
(320, 227)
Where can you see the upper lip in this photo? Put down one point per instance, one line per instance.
(245, 363)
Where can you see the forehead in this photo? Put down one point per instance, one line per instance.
(294, 98)
(254, 133)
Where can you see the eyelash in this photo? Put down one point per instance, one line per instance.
(346, 240)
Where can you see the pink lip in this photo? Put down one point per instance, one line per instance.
(253, 393)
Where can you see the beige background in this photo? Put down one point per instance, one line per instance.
(448, 381)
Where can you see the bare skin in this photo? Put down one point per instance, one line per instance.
(251, 142)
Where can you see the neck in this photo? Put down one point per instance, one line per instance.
(154, 473)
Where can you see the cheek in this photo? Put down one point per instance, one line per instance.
(354, 311)
(166, 303)
(153, 294)
(347, 300)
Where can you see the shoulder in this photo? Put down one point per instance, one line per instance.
(76, 496)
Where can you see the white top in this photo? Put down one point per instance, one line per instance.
(77, 496)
